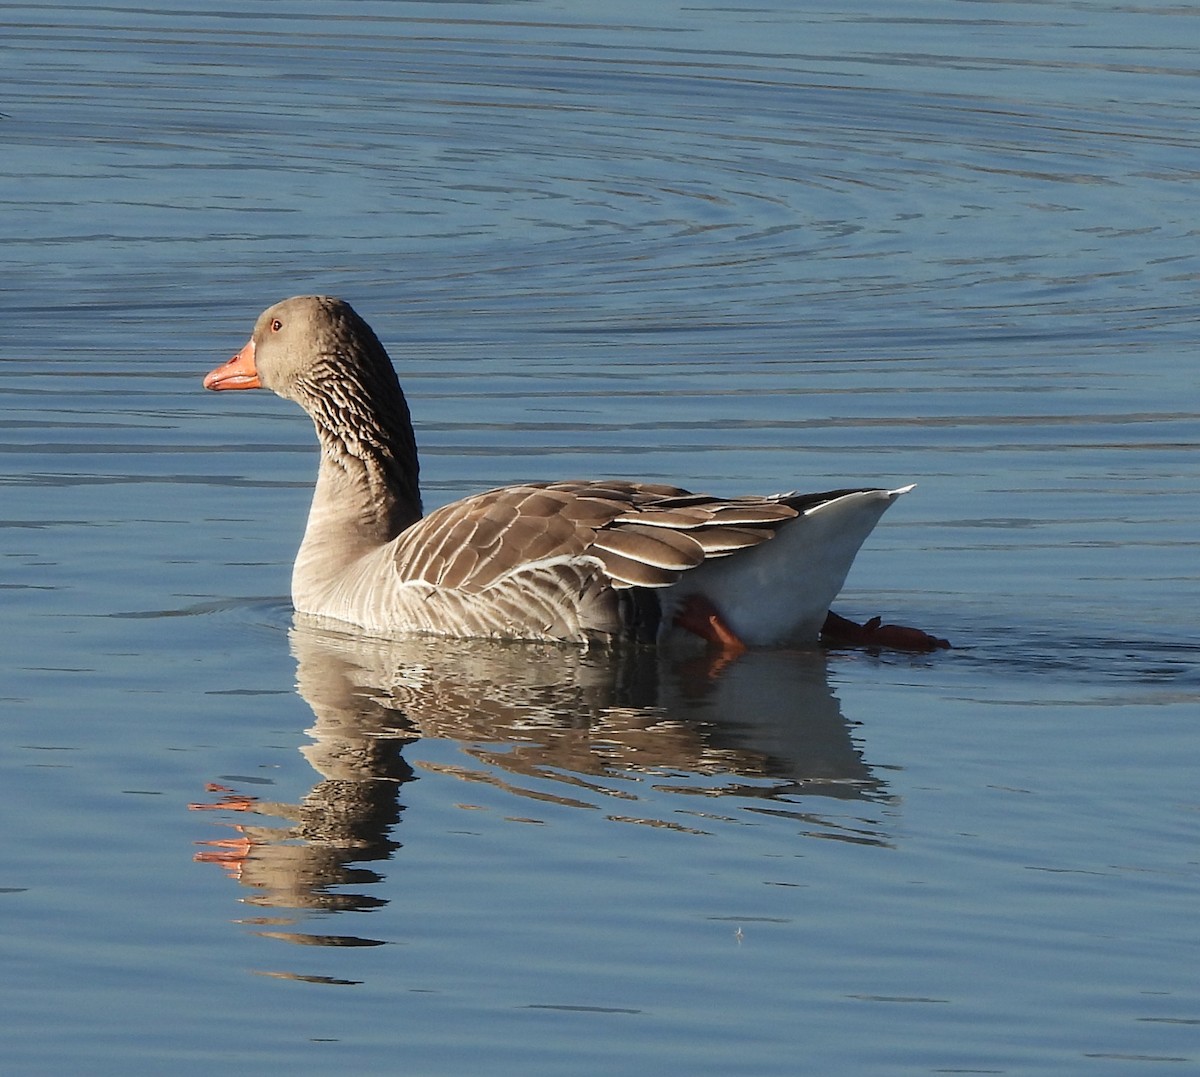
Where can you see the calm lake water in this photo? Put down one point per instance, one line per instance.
(739, 247)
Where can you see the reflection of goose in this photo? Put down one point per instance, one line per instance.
(567, 714)
(573, 561)
(574, 727)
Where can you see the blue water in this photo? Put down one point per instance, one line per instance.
(738, 247)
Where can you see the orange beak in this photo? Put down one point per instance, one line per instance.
(239, 373)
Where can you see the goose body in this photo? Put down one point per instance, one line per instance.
(577, 561)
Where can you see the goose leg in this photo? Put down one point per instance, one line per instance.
(699, 616)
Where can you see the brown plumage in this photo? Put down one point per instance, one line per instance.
(641, 535)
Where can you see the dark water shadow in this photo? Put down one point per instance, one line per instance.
(546, 724)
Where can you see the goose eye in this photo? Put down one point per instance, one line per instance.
(276, 325)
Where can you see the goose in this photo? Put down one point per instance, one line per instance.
(581, 561)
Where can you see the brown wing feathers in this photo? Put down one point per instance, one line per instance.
(645, 535)
(694, 527)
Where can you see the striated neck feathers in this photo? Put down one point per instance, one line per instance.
(368, 488)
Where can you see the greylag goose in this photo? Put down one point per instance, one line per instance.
(577, 561)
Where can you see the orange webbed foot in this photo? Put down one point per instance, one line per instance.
(841, 631)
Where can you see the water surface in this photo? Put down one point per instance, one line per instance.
(734, 247)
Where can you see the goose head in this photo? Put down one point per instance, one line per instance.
(315, 350)
(303, 349)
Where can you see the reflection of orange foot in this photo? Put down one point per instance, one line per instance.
(231, 801)
(840, 631)
(230, 854)
(700, 617)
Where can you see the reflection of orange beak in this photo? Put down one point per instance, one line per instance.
(239, 373)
